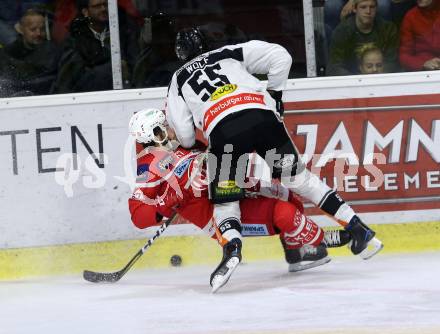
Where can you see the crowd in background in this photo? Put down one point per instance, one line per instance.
(63, 46)
(383, 36)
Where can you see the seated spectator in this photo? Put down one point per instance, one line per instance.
(157, 60)
(336, 11)
(364, 27)
(66, 10)
(11, 11)
(370, 59)
(86, 62)
(420, 37)
(28, 65)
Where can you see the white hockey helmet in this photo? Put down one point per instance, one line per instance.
(149, 126)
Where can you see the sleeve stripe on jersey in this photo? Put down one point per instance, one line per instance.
(236, 54)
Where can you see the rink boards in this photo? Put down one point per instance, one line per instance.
(67, 171)
(194, 250)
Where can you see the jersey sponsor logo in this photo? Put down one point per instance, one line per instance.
(143, 168)
(254, 229)
(164, 164)
(229, 102)
(222, 91)
(227, 190)
(142, 171)
(229, 184)
(182, 167)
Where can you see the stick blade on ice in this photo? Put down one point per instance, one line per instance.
(95, 277)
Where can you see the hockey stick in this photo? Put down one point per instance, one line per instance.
(97, 277)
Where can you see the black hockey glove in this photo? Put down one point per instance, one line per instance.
(277, 95)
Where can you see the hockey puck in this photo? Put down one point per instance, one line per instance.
(176, 260)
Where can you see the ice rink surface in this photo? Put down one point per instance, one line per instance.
(387, 294)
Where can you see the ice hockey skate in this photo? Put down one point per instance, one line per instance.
(363, 242)
(231, 259)
(306, 257)
(336, 238)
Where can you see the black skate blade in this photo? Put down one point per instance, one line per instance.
(294, 267)
(95, 277)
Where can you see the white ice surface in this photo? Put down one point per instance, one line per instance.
(348, 295)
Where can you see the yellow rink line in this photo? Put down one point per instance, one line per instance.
(112, 256)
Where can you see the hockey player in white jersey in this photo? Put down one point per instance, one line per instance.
(216, 91)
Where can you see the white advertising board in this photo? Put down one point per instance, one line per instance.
(86, 198)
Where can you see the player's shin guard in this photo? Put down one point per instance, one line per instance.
(363, 241)
(296, 229)
(227, 220)
(231, 259)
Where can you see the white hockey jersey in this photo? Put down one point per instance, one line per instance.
(220, 82)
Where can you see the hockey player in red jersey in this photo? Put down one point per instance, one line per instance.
(171, 178)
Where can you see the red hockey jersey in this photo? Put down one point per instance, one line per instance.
(176, 181)
(170, 181)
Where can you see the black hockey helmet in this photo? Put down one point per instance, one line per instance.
(190, 42)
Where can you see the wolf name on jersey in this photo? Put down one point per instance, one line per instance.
(220, 82)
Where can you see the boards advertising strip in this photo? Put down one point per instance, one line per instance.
(66, 163)
(63, 175)
(382, 154)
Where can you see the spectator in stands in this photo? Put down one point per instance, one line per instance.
(370, 59)
(335, 11)
(157, 60)
(420, 37)
(66, 10)
(86, 61)
(28, 65)
(364, 27)
(11, 11)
